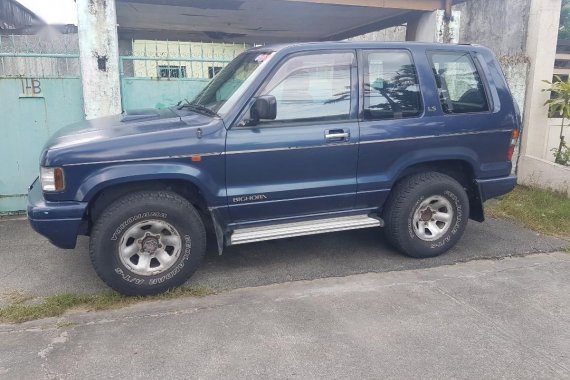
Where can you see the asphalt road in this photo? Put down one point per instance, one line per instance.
(486, 319)
(30, 263)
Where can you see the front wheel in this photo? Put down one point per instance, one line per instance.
(426, 214)
(147, 243)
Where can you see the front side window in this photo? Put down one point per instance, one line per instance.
(230, 82)
(312, 86)
(391, 89)
(460, 87)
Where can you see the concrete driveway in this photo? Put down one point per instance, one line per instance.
(30, 263)
(486, 319)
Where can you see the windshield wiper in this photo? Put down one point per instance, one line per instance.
(196, 107)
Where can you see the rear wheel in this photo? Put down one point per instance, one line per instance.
(147, 242)
(426, 214)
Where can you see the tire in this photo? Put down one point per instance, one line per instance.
(426, 214)
(147, 243)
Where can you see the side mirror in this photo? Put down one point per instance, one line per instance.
(264, 108)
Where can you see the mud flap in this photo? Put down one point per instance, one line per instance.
(218, 229)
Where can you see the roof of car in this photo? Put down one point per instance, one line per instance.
(363, 45)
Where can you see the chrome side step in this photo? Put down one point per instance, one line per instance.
(312, 227)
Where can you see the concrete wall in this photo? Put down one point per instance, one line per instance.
(516, 69)
(483, 23)
(475, 21)
(429, 27)
(523, 34)
(397, 33)
(501, 25)
(554, 136)
(542, 173)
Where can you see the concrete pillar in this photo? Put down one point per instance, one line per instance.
(99, 57)
(422, 28)
(541, 41)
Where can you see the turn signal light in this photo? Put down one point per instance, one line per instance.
(52, 179)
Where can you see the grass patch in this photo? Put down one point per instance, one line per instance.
(540, 210)
(16, 296)
(19, 311)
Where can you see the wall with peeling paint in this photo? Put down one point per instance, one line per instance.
(501, 25)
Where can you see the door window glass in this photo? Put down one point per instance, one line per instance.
(391, 89)
(312, 86)
(460, 87)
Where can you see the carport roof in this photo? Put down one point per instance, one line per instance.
(264, 21)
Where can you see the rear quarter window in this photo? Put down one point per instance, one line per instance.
(459, 83)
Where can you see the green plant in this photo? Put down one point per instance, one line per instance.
(563, 156)
(559, 105)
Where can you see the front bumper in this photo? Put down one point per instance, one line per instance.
(494, 187)
(60, 222)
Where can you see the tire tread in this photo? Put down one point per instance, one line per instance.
(134, 199)
(398, 201)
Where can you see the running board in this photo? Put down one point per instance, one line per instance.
(312, 227)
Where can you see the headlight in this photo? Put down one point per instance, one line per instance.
(52, 179)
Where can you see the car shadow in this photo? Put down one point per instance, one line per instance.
(353, 252)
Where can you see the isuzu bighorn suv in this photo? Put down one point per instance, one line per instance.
(285, 141)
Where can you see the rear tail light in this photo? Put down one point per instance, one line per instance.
(514, 138)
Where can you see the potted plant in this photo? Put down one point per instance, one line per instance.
(559, 105)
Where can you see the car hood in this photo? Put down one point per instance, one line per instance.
(132, 135)
(128, 123)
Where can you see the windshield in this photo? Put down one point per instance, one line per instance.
(230, 82)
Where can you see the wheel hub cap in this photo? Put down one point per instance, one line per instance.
(432, 218)
(150, 244)
(150, 247)
(427, 214)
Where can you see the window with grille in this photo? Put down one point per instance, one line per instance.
(172, 71)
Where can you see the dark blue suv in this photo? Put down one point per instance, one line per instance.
(285, 141)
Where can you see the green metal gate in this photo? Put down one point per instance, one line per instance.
(160, 73)
(39, 93)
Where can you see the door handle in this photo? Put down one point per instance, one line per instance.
(337, 135)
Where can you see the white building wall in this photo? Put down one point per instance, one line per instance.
(169, 51)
